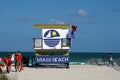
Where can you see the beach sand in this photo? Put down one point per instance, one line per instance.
(76, 72)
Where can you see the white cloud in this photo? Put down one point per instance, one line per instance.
(56, 21)
(25, 19)
(80, 16)
(83, 12)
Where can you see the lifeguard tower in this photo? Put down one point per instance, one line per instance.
(54, 46)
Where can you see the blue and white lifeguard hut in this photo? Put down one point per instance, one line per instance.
(54, 46)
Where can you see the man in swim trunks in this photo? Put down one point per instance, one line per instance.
(18, 62)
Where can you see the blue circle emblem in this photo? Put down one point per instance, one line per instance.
(52, 38)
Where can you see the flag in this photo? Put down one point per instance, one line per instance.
(72, 34)
(74, 28)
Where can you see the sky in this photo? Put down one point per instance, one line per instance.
(97, 21)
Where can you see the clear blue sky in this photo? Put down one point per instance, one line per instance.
(98, 23)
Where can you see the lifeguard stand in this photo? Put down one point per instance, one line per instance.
(54, 46)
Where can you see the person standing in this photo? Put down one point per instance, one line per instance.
(111, 59)
(15, 62)
(1, 65)
(18, 62)
(8, 62)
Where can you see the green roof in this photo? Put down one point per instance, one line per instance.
(52, 26)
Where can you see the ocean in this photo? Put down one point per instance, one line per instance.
(78, 57)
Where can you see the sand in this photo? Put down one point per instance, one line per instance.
(76, 72)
